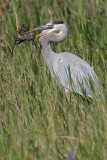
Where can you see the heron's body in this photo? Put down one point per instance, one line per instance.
(67, 65)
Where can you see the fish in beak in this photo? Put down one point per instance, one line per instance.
(26, 35)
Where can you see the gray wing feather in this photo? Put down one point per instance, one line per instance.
(79, 70)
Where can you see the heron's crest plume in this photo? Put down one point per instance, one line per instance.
(55, 22)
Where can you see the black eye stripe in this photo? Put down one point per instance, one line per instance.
(58, 22)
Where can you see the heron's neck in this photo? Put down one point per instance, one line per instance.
(50, 38)
(46, 51)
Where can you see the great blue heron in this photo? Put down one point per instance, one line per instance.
(66, 64)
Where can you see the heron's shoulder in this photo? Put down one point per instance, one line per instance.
(68, 57)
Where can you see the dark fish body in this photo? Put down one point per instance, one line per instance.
(25, 36)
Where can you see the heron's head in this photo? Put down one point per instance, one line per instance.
(49, 27)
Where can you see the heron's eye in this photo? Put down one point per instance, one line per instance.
(57, 32)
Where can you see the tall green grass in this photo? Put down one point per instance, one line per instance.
(36, 119)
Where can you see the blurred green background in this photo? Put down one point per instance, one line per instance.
(36, 120)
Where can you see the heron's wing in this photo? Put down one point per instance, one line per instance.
(61, 74)
(75, 74)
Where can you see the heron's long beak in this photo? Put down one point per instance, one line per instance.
(41, 34)
(44, 27)
(41, 28)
